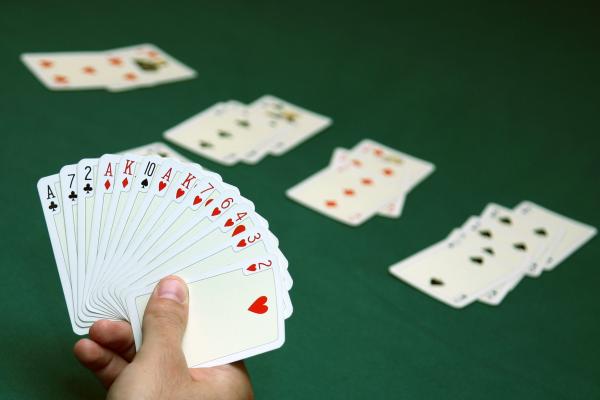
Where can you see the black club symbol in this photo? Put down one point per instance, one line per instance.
(52, 206)
(88, 188)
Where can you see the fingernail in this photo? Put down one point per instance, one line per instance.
(172, 289)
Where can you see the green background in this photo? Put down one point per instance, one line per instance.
(503, 98)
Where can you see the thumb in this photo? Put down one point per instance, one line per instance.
(165, 320)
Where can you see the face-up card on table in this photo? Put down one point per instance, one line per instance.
(533, 237)
(297, 124)
(371, 154)
(393, 209)
(207, 134)
(345, 194)
(232, 316)
(75, 70)
(576, 234)
(153, 65)
(457, 271)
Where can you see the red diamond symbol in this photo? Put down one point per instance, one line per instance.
(125, 182)
(107, 184)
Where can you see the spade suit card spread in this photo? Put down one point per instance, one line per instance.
(487, 257)
(231, 132)
(120, 223)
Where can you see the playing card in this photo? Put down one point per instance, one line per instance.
(243, 317)
(156, 149)
(75, 70)
(207, 134)
(297, 123)
(576, 234)
(393, 209)
(348, 193)
(153, 66)
(49, 192)
(460, 269)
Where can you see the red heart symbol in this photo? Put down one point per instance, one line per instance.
(208, 202)
(229, 222)
(238, 229)
(331, 203)
(161, 185)
(180, 192)
(242, 243)
(197, 200)
(216, 211)
(251, 268)
(259, 306)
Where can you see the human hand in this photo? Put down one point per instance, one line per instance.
(159, 369)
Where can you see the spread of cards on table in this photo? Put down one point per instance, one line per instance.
(370, 179)
(489, 254)
(231, 131)
(120, 223)
(119, 69)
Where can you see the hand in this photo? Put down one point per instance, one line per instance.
(159, 369)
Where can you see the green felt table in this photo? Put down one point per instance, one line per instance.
(503, 98)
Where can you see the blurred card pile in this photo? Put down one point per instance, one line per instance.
(490, 254)
(230, 132)
(369, 179)
(119, 69)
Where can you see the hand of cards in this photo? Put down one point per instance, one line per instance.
(118, 69)
(231, 132)
(489, 255)
(369, 179)
(118, 224)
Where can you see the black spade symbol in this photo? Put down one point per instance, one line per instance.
(72, 196)
(541, 232)
(87, 188)
(477, 260)
(224, 134)
(486, 233)
(205, 144)
(163, 155)
(436, 282)
(243, 123)
(505, 220)
(52, 206)
(489, 250)
(144, 183)
(520, 246)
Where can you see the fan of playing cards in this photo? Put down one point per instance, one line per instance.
(489, 255)
(231, 132)
(119, 224)
(116, 70)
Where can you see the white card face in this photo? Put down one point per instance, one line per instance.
(347, 194)
(68, 187)
(576, 234)
(243, 318)
(157, 149)
(206, 134)
(527, 235)
(86, 192)
(393, 209)
(49, 192)
(297, 123)
(369, 153)
(69, 71)
(153, 66)
(459, 271)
